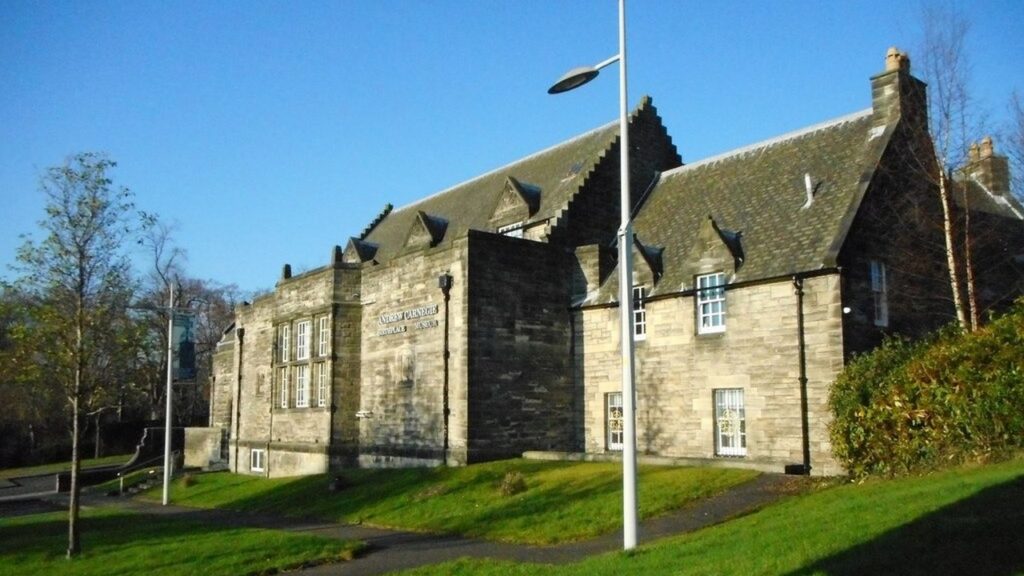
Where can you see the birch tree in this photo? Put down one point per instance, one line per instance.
(952, 119)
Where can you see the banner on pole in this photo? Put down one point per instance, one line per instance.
(184, 346)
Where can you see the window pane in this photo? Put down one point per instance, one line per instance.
(613, 420)
(323, 338)
(730, 423)
(302, 340)
(710, 300)
(639, 312)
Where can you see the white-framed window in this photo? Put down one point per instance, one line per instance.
(613, 420)
(639, 313)
(284, 338)
(711, 303)
(880, 293)
(730, 423)
(302, 386)
(257, 459)
(302, 340)
(323, 338)
(512, 230)
(320, 375)
(282, 386)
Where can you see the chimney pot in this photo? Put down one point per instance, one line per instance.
(896, 60)
(987, 150)
(974, 154)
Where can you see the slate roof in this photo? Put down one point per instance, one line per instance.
(981, 199)
(558, 172)
(759, 193)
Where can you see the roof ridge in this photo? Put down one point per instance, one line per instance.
(547, 150)
(998, 198)
(769, 142)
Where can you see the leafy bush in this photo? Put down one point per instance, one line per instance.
(913, 406)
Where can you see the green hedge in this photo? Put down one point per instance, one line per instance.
(908, 406)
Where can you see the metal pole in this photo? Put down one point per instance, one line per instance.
(170, 382)
(629, 504)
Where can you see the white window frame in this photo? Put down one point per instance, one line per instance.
(320, 374)
(324, 336)
(512, 230)
(730, 422)
(710, 300)
(257, 460)
(302, 330)
(302, 386)
(613, 421)
(639, 313)
(284, 337)
(282, 387)
(880, 293)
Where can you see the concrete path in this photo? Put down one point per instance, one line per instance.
(391, 550)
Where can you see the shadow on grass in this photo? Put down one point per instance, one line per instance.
(981, 535)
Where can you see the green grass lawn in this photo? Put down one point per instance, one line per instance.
(63, 466)
(115, 542)
(562, 501)
(965, 521)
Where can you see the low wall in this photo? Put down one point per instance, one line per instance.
(203, 448)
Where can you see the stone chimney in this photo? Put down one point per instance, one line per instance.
(988, 168)
(896, 95)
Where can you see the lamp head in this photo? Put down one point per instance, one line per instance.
(573, 79)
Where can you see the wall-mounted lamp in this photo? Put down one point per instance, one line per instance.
(444, 281)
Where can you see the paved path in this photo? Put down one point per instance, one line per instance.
(391, 550)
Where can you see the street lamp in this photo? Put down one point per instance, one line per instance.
(574, 79)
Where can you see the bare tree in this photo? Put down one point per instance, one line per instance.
(212, 304)
(1014, 138)
(952, 120)
(79, 276)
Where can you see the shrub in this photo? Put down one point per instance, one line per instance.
(513, 483)
(912, 406)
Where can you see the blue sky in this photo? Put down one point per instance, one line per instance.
(268, 132)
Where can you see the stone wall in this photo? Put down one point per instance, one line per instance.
(593, 215)
(403, 358)
(678, 371)
(520, 360)
(900, 225)
(223, 383)
(297, 439)
(203, 447)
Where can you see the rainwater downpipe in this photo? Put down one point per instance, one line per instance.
(444, 281)
(238, 392)
(798, 285)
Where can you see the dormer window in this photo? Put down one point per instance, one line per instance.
(512, 230)
(711, 303)
(639, 313)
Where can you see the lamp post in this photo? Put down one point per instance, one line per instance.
(170, 384)
(574, 79)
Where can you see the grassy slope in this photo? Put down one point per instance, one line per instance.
(63, 466)
(965, 521)
(563, 502)
(122, 543)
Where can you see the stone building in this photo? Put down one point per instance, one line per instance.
(481, 322)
